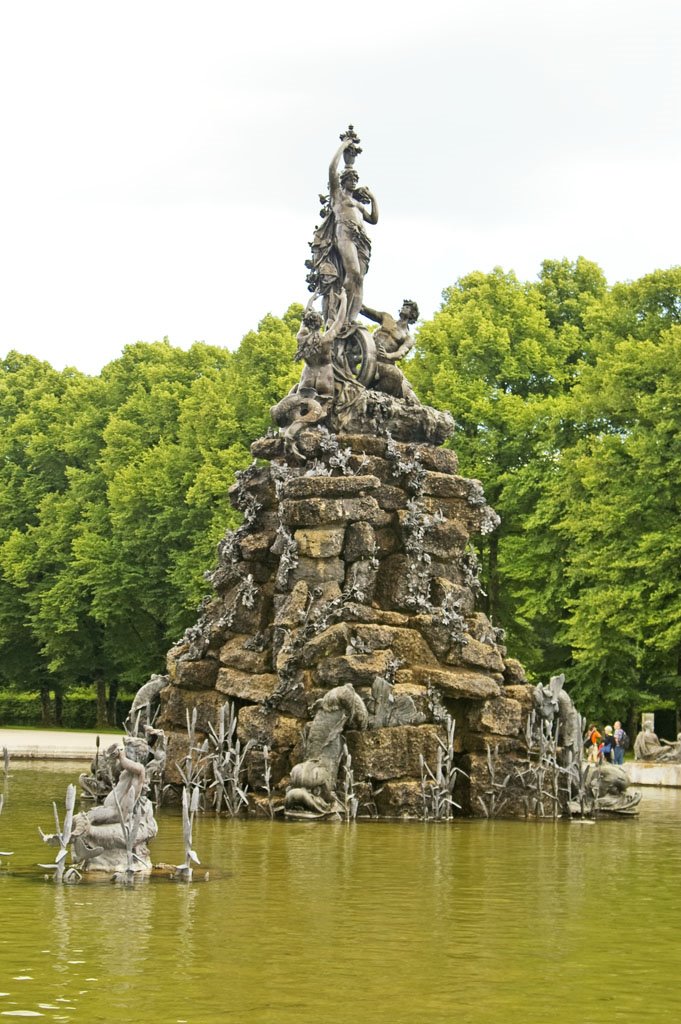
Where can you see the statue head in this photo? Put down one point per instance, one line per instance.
(349, 179)
(409, 311)
(312, 319)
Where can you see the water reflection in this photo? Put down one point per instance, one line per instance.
(474, 922)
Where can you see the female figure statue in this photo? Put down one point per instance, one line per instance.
(341, 248)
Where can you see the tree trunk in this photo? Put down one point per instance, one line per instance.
(101, 702)
(45, 706)
(59, 706)
(113, 704)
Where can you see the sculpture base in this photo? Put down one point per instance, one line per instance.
(649, 773)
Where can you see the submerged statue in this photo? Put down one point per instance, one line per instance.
(605, 789)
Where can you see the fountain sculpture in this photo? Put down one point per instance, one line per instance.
(344, 614)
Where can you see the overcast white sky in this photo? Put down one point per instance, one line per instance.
(162, 161)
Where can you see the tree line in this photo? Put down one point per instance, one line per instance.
(566, 392)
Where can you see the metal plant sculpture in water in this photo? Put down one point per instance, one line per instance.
(5, 779)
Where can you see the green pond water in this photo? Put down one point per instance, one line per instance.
(513, 922)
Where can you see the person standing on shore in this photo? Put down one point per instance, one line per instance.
(593, 738)
(620, 743)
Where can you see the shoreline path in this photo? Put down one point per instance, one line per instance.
(51, 744)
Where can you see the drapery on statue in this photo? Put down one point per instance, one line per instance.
(341, 248)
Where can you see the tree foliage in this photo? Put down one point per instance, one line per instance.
(567, 396)
(113, 496)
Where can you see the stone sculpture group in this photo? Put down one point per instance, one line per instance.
(343, 624)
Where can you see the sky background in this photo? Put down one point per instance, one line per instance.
(162, 161)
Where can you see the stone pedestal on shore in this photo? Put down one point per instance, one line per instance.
(649, 773)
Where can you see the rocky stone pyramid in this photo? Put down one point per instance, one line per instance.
(343, 625)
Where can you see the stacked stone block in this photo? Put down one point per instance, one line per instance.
(350, 565)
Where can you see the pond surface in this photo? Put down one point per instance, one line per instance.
(472, 922)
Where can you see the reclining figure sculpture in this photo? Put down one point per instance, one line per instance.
(313, 781)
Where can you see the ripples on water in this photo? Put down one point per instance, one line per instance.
(473, 923)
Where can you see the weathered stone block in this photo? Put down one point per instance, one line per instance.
(459, 684)
(478, 742)
(320, 542)
(441, 460)
(315, 571)
(268, 448)
(373, 465)
(177, 748)
(388, 541)
(482, 629)
(360, 581)
(172, 658)
(501, 716)
(258, 483)
(391, 498)
(234, 654)
(446, 485)
(332, 641)
(445, 540)
(443, 590)
(254, 763)
(291, 608)
(360, 542)
(257, 546)
(514, 673)
(358, 669)
(524, 694)
(475, 653)
(329, 486)
(353, 612)
(447, 570)
(249, 611)
(196, 675)
(436, 635)
(418, 693)
(279, 731)
(399, 798)
(407, 644)
(394, 582)
(471, 516)
(246, 686)
(392, 753)
(177, 702)
(320, 511)
(322, 595)
(475, 784)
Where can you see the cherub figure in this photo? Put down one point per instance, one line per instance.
(316, 349)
